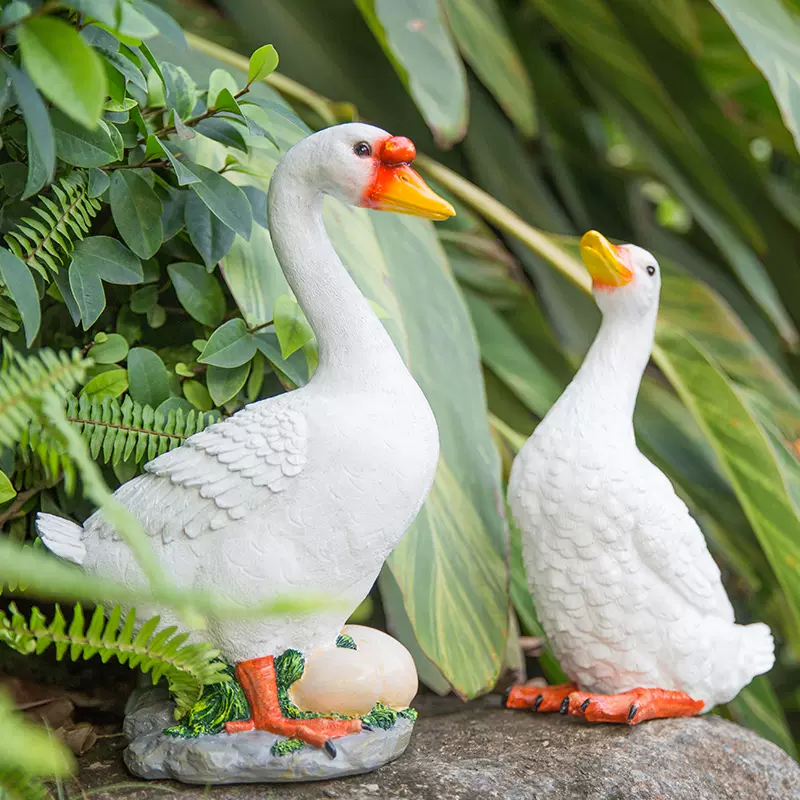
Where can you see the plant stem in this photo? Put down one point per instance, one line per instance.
(144, 165)
(20, 501)
(286, 86)
(506, 220)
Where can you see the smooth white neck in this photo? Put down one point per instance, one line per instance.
(354, 347)
(602, 395)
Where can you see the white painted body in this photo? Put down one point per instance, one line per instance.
(305, 492)
(624, 585)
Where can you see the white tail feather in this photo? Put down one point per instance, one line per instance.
(757, 654)
(62, 537)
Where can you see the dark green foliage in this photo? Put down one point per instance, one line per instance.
(283, 747)
(289, 667)
(343, 640)
(45, 239)
(219, 703)
(384, 717)
(163, 653)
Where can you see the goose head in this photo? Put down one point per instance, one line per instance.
(365, 166)
(626, 279)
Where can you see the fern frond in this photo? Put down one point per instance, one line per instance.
(23, 382)
(47, 242)
(14, 586)
(163, 653)
(116, 431)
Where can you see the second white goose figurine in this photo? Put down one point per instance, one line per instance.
(626, 590)
(307, 491)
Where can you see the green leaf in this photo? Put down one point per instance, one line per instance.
(254, 277)
(148, 377)
(263, 62)
(211, 237)
(224, 384)
(222, 131)
(757, 707)
(19, 281)
(165, 24)
(144, 300)
(225, 200)
(98, 182)
(218, 80)
(229, 346)
(67, 71)
(258, 205)
(198, 292)
(109, 259)
(111, 383)
(156, 147)
(197, 395)
(414, 36)
(137, 212)
(180, 89)
(39, 130)
(482, 36)
(294, 368)
(291, 325)
(87, 289)
(7, 490)
(769, 33)
(110, 351)
(759, 478)
(81, 147)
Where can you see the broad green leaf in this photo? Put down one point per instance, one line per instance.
(98, 182)
(225, 200)
(222, 131)
(482, 36)
(87, 289)
(258, 205)
(229, 346)
(744, 451)
(197, 395)
(291, 325)
(81, 147)
(7, 490)
(112, 350)
(67, 71)
(39, 130)
(156, 148)
(109, 259)
(218, 80)
(20, 284)
(254, 277)
(144, 300)
(757, 707)
(181, 90)
(769, 31)
(224, 384)
(415, 37)
(137, 212)
(148, 377)
(174, 212)
(111, 383)
(127, 69)
(165, 24)
(263, 62)
(211, 237)
(199, 293)
(294, 368)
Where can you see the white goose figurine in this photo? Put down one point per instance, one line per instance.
(628, 595)
(310, 490)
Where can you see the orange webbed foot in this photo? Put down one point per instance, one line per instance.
(542, 699)
(633, 707)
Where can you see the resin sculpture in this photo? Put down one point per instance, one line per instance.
(628, 595)
(307, 491)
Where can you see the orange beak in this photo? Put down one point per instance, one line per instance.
(399, 188)
(607, 263)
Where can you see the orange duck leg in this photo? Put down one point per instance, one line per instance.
(633, 707)
(542, 699)
(258, 680)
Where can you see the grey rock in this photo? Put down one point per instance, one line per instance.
(467, 752)
(246, 757)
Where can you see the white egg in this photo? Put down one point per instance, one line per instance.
(337, 680)
(391, 662)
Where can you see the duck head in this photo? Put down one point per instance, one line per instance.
(365, 166)
(626, 279)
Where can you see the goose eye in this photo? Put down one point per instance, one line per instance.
(362, 150)
(651, 270)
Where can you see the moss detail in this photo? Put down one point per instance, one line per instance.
(218, 704)
(286, 746)
(385, 718)
(343, 640)
(289, 667)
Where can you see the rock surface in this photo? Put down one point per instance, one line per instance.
(463, 752)
(245, 757)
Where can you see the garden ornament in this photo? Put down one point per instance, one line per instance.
(626, 590)
(308, 491)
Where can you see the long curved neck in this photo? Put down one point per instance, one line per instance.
(353, 345)
(602, 395)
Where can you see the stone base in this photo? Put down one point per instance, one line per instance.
(245, 757)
